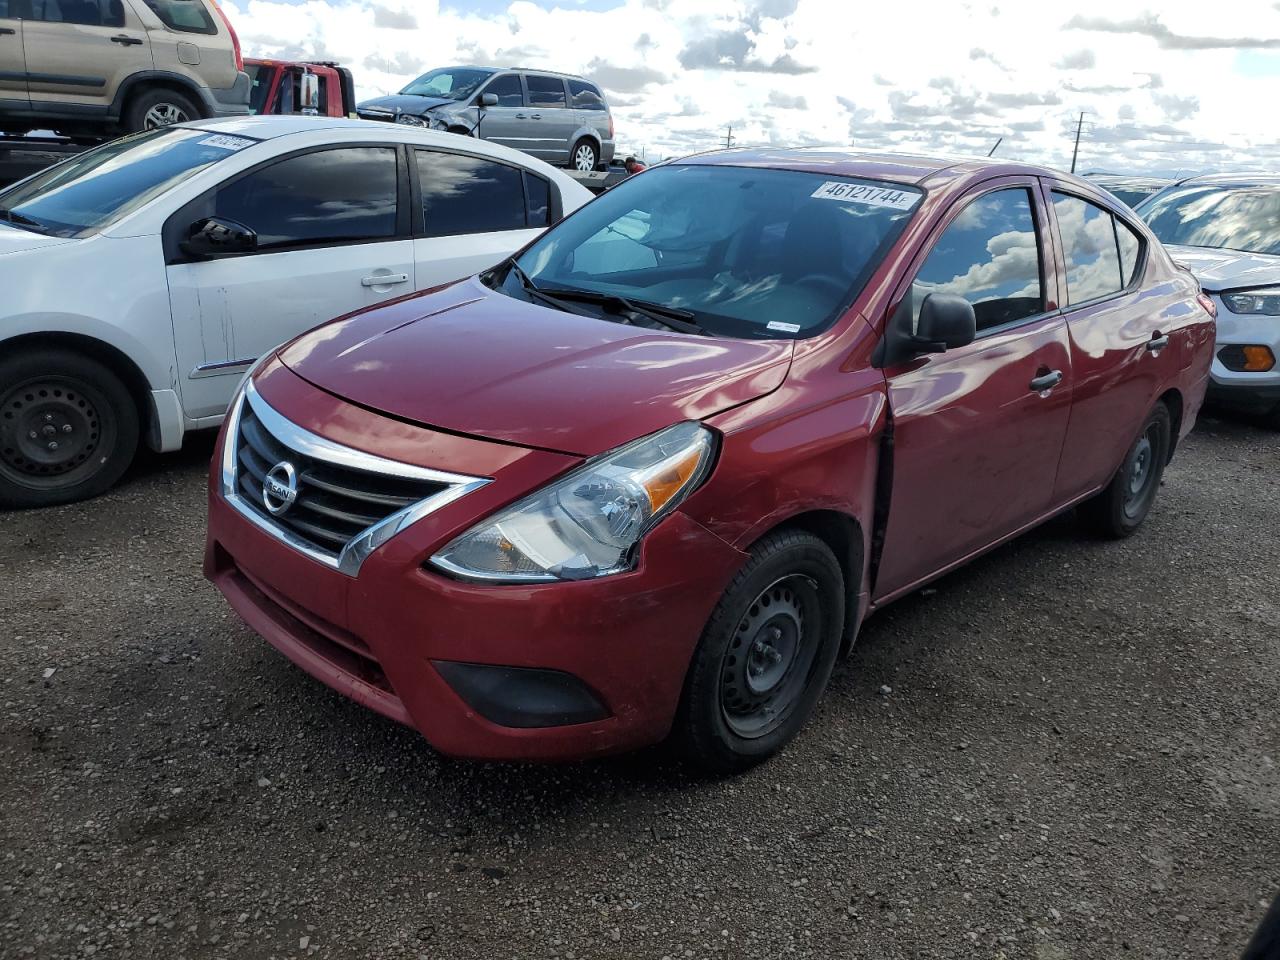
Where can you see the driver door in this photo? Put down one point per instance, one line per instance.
(333, 234)
(977, 433)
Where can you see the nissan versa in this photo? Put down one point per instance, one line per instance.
(647, 477)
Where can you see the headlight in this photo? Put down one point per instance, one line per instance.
(409, 120)
(1266, 302)
(585, 524)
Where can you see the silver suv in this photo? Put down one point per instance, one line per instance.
(559, 118)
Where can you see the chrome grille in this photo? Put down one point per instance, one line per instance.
(345, 502)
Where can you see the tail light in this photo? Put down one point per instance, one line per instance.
(1206, 301)
(235, 39)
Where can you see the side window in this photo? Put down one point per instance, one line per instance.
(507, 89)
(89, 13)
(183, 16)
(324, 197)
(463, 195)
(1089, 247)
(585, 96)
(545, 91)
(538, 200)
(990, 255)
(1130, 246)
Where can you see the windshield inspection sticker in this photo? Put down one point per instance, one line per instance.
(783, 327)
(863, 193)
(226, 142)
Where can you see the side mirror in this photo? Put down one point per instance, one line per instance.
(947, 321)
(310, 94)
(488, 100)
(215, 237)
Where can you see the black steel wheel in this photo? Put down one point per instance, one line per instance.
(68, 428)
(1121, 508)
(765, 656)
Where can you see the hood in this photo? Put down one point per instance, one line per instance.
(405, 103)
(1227, 269)
(16, 240)
(472, 361)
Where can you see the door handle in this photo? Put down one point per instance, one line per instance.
(535, 116)
(522, 116)
(1046, 381)
(8, 30)
(386, 280)
(127, 41)
(1158, 341)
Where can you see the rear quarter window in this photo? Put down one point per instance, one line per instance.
(183, 16)
(585, 96)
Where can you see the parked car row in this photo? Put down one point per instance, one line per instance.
(622, 471)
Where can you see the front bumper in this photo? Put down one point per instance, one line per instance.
(388, 636)
(1251, 391)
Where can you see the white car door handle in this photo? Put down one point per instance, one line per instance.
(386, 280)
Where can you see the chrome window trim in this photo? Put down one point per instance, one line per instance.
(358, 548)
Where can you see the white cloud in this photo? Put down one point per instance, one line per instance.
(1178, 91)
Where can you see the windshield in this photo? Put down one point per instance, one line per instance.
(95, 189)
(450, 83)
(1234, 218)
(740, 252)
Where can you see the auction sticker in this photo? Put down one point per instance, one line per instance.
(226, 142)
(866, 194)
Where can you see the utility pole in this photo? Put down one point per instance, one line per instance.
(1076, 151)
(728, 137)
(992, 151)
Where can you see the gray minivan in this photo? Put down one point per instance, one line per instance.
(559, 118)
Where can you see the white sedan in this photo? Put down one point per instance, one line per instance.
(143, 278)
(1225, 228)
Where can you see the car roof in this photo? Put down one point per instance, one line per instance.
(270, 127)
(1233, 180)
(843, 162)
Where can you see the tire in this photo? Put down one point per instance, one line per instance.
(584, 157)
(1119, 510)
(74, 403)
(148, 109)
(771, 642)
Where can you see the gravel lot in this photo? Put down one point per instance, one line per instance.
(1079, 757)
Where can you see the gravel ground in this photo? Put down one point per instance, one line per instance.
(1076, 756)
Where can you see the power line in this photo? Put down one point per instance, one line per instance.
(728, 137)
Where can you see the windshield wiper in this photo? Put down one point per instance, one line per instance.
(673, 318)
(20, 220)
(536, 293)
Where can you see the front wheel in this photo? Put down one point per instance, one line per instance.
(765, 656)
(68, 428)
(584, 156)
(1120, 509)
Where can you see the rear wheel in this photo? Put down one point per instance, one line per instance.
(584, 157)
(68, 428)
(765, 656)
(1121, 508)
(159, 107)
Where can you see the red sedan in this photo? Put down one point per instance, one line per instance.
(646, 478)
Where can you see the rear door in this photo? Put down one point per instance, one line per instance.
(978, 430)
(551, 121)
(13, 68)
(471, 213)
(507, 122)
(333, 230)
(1123, 349)
(79, 52)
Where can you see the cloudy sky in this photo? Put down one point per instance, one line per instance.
(1174, 88)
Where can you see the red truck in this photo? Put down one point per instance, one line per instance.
(276, 87)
